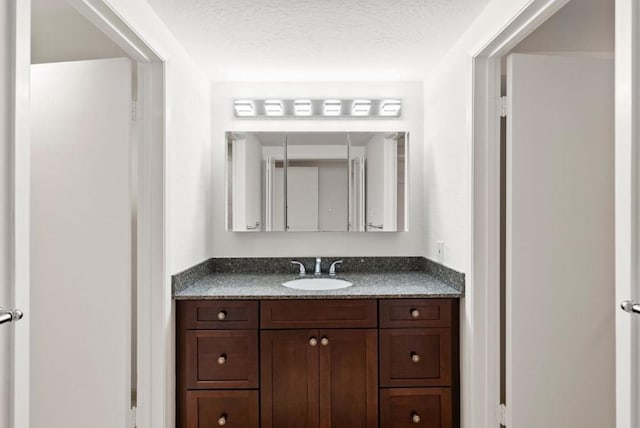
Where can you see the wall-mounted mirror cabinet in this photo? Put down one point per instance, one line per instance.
(317, 181)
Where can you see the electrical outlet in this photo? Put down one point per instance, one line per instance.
(440, 252)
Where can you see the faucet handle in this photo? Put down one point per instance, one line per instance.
(303, 271)
(332, 269)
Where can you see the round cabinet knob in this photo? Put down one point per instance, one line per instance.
(324, 341)
(222, 420)
(415, 358)
(222, 315)
(415, 418)
(313, 341)
(415, 313)
(222, 359)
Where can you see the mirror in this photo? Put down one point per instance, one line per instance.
(317, 173)
(316, 181)
(255, 181)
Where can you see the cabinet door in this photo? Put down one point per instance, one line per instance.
(289, 378)
(349, 378)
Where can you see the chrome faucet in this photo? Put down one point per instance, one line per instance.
(303, 271)
(317, 271)
(332, 269)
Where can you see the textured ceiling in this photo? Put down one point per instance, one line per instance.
(317, 40)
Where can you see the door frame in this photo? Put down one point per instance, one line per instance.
(19, 182)
(152, 277)
(483, 365)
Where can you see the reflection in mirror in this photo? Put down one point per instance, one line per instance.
(377, 181)
(255, 181)
(317, 174)
(317, 181)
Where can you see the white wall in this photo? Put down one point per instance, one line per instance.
(448, 138)
(187, 137)
(580, 26)
(188, 154)
(5, 135)
(60, 33)
(447, 118)
(229, 244)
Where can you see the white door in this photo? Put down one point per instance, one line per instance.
(627, 213)
(81, 245)
(560, 242)
(302, 199)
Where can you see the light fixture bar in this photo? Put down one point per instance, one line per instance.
(330, 108)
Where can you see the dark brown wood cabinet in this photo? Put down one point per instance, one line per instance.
(419, 363)
(319, 378)
(318, 363)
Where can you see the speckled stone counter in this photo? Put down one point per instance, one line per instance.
(419, 280)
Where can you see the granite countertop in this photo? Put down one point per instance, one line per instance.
(269, 286)
(207, 283)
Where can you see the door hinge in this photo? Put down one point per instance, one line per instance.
(133, 423)
(503, 106)
(134, 110)
(502, 415)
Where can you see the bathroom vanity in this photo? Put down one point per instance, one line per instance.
(382, 353)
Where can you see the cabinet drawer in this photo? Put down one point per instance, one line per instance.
(408, 408)
(408, 313)
(318, 314)
(221, 359)
(415, 357)
(233, 409)
(217, 314)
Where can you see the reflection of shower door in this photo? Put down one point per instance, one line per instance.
(382, 185)
(274, 195)
(247, 185)
(357, 195)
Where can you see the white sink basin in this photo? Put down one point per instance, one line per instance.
(317, 284)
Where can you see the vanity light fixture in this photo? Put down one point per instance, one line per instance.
(390, 108)
(302, 107)
(273, 108)
(361, 107)
(332, 107)
(244, 108)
